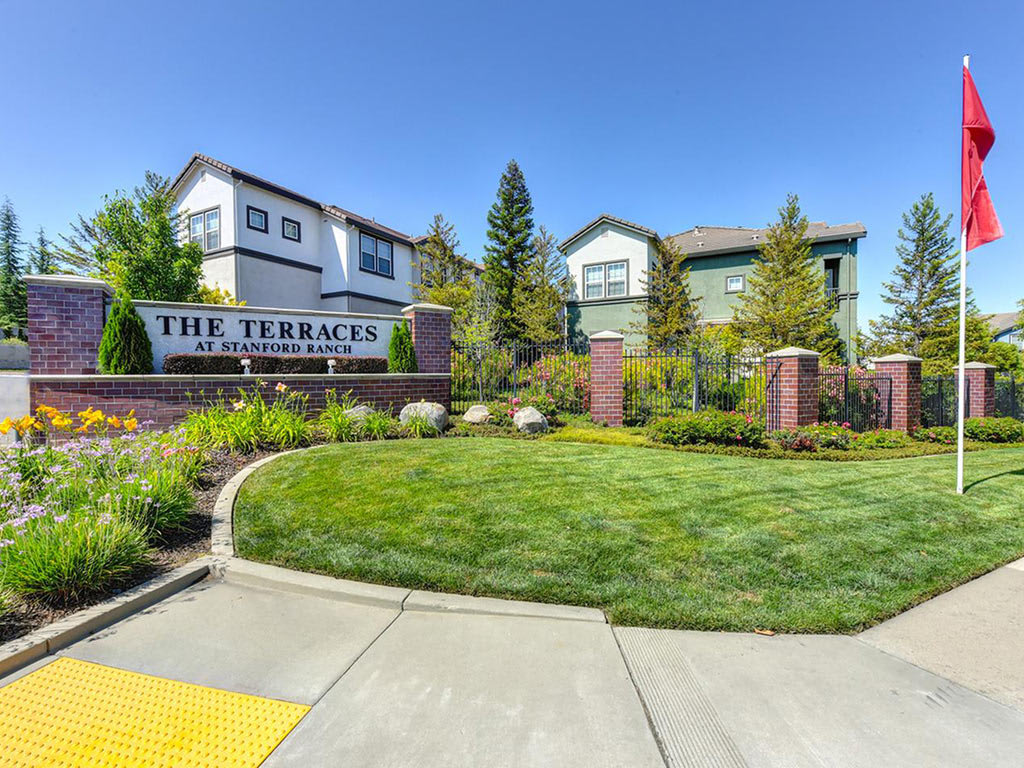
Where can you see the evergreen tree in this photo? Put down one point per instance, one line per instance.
(133, 243)
(669, 316)
(539, 298)
(13, 296)
(785, 304)
(125, 347)
(446, 276)
(941, 349)
(509, 251)
(481, 326)
(925, 285)
(42, 260)
(401, 352)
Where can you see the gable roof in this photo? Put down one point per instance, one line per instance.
(340, 213)
(1001, 322)
(701, 241)
(609, 218)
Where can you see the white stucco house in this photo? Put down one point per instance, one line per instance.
(272, 247)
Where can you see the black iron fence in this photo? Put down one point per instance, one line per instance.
(483, 373)
(862, 399)
(939, 399)
(659, 383)
(1009, 397)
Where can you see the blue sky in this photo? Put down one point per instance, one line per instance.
(669, 114)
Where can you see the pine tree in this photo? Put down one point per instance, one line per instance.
(510, 250)
(13, 296)
(125, 347)
(785, 304)
(941, 348)
(446, 276)
(539, 298)
(925, 285)
(42, 260)
(401, 352)
(670, 315)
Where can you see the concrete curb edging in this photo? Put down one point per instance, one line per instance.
(24, 650)
(232, 568)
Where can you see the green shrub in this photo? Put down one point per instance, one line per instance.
(709, 428)
(795, 440)
(882, 438)
(270, 365)
(378, 426)
(64, 558)
(401, 352)
(563, 376)
(251, 422)
(941, 435)
(993, 430)
(125, 347)
(13, 341)
(832, 436)
(418, 425)
(334, 423)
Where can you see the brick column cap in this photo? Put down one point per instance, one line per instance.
(69, 281)
(610, 335)
(794, 352)
(976, 366)
(437, 308)
(898, 358)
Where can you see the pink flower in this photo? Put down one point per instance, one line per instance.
(516, 401)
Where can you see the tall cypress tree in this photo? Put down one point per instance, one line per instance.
(13, 297)
(510, 250)
(42, 260)
(785, 304)
(668, 319)
(925, 285)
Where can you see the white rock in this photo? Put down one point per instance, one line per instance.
(531, 420)
(477, 414)
(359, 413)
(435, 413)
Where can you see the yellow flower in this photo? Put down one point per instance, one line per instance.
(130, 423)
(114, 422)
(5, 425)
(61, 421)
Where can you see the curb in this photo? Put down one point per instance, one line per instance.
(52, 638)
(222, 534)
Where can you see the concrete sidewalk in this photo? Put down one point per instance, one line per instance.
(402, 678)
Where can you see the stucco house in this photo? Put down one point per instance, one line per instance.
(273, 247)
(609, 257)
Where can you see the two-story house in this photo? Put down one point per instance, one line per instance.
(272, 247)
(608, 260)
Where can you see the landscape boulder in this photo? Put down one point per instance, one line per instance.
(530, 420)
(359, 413)
(435, 413)
(477, 414)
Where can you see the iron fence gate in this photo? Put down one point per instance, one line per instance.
(862, 399)
(939, 400)
(1009, 397)
(659, 383)
(484, 373)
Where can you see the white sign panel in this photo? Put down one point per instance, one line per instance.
(207, 328)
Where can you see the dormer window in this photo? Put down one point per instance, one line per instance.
(256, 218)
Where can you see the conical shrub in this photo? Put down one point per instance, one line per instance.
(125, 347)
(401, 352)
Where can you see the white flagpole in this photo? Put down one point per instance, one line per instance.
(962, 378)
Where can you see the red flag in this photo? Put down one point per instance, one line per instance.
(977, 215)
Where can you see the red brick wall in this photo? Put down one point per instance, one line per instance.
(65, 325)
(431, 337)
(606, 380)
(793, 389)
(981, 395)
(166, 399)
(905, 375)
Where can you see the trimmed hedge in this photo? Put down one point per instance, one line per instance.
(231, 364)
(709, 428)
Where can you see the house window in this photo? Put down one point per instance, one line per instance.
(601, 280)
(375, 255)
(291, 229)
(734, 284)
(593, 282)
(204, 229)
(616, 277)
(256, 218)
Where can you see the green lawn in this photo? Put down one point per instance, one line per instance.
(656, 538)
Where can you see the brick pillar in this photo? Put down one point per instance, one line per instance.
(793, 388)
(606, 378)
(905, 373)
(431, 336)
(981, 385)
(65, 322)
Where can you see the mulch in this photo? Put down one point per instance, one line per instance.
(176, 548)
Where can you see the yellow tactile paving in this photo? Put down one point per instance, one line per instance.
(75, 713)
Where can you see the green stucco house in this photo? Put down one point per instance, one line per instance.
(609, 257)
